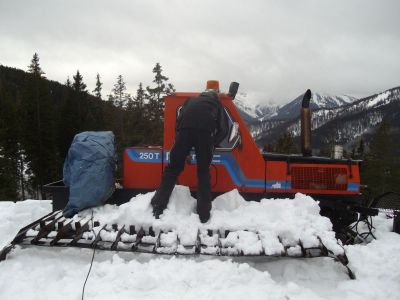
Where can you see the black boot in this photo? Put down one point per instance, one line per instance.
(204, 217)
(158, 208)
(203, 209)
(157, 211)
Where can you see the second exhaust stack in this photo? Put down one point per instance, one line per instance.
(306, 125)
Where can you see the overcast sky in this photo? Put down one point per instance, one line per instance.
(274, 49)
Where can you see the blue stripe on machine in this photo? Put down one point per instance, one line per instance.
(352, 186)
(288, 185)
(144, 155)
(276, 184)
(229, 162)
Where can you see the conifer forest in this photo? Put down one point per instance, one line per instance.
(39, 118)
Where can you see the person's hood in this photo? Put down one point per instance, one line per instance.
(210, 93)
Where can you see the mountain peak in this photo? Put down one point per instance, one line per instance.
(323, 100)
(251, 112)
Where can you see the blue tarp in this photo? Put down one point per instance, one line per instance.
(89, 170)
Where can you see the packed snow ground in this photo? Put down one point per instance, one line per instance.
(43, 273)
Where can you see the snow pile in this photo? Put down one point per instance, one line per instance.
(58, 273)
(292, 220)
(27, 212)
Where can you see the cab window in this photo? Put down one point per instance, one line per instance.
(232, 139)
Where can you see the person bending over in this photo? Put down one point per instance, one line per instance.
(202, 125)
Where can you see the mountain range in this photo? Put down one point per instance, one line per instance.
(338, 119)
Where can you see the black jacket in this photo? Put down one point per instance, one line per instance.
(204, 112)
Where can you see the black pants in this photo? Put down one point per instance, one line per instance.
(203, 144)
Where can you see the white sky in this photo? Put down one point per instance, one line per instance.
(274, 49)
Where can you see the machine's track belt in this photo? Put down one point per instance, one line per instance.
(55, 230)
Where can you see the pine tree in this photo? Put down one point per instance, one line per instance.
(286, 144)
(163, 87)
(136, 121)
(119, 96)
(34, 68)
(38, 128)
(80, 100)
(381, 165)
(268, 148)
(78, 85)
(98, 88)
(140, 96)
(155, 105)
(68, 82)
(9, 139)
(360, 149)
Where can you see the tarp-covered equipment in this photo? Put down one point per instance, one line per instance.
(89, 170)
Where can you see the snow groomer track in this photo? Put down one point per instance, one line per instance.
(53, 230)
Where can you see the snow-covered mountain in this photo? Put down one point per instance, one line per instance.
(259, 113)
(264, 118)
(318, 101)
(343, 123)
(253, 112)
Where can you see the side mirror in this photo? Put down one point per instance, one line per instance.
(233, 89)
(234, 132)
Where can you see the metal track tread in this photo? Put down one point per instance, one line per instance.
(53, 230)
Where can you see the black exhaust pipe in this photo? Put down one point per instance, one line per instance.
(233, 89)
(306, 125)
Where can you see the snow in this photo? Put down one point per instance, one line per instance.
(27, 212)
(378, 99)
(291, 220)
(247, 107)
(59, 273)
(331, 101)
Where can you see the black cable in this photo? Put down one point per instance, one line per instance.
(368, 221)
(91, 263)
(354, 233)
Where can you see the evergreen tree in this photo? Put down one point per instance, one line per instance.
(162, 86)
(381, 165)
(68, 82)
(34, 68)
(140, 96)
(78, 85)
(80, 100)
(119, 97)
(9, 139)
(68, 121)
(136, 120)
(360, 149)
(268, 148)
(155, 105)
(286, 144)
(98, 88)
(38, 128)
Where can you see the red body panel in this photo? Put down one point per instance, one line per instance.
(139, 173)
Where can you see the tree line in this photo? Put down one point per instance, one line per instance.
(40, 117)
